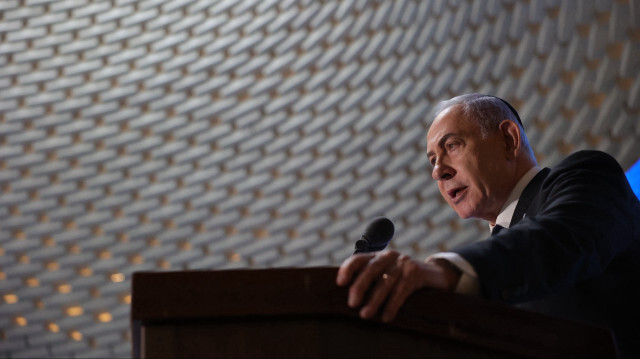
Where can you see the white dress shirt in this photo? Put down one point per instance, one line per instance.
(468, 283)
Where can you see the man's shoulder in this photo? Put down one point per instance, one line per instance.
(589, 159)
(590, 167)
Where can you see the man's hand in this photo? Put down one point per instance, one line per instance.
(389, 278)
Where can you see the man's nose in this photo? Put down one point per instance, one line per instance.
(442, 172)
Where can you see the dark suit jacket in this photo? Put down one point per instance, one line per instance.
(572, 249)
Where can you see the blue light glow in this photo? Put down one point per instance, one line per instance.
(633, 175)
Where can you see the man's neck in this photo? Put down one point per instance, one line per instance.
(506, 212)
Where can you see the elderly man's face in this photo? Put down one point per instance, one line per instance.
(471, 170)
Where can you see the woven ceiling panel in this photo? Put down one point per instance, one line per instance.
(171, 135)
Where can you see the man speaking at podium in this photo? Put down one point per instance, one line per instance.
(564, 241)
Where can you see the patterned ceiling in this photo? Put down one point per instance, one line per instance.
(173, 135)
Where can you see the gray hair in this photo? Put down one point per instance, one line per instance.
(488, 112)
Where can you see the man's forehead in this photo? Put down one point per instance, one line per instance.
(447, 120)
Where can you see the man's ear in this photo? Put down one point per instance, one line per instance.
(511, 136)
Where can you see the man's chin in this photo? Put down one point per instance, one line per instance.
(463, 214)
(462, 210)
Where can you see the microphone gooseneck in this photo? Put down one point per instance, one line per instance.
(377, 234)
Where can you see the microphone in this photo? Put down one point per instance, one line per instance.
(376, 236)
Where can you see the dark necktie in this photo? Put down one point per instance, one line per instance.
(496, 229)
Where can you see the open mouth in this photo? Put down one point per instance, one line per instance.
(456, 192)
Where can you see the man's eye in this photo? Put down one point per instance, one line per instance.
(451, 146)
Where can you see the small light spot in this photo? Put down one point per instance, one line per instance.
(317, 195)
(97, 231)
(184, 246)
(75, 311)
(136, 259)
(234, 257)
(126, 299)
(64, 288)
(117, 277)
(231, 231)
(85, 271)
(33, 282)
(10, 298)
(169, 224)
(52, 266)
(53, 327)
(261, 233)
(70, 225)
(74, 249)
(48, 241)
(123, 238)
(104, 317)
(20, 321)
(75, 335)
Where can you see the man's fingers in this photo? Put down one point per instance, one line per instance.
(395, 301)
(410, 280)
(388, 278)
(380, 292)
(350, 266)
(381, 263)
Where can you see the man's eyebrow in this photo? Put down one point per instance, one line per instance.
(441, 142)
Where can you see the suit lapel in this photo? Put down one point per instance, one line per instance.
(527, 196)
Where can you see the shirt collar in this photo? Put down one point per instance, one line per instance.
(506, 213)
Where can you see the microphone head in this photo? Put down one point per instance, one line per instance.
(377, 234)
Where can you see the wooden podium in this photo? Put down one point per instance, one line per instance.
(301, 313)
